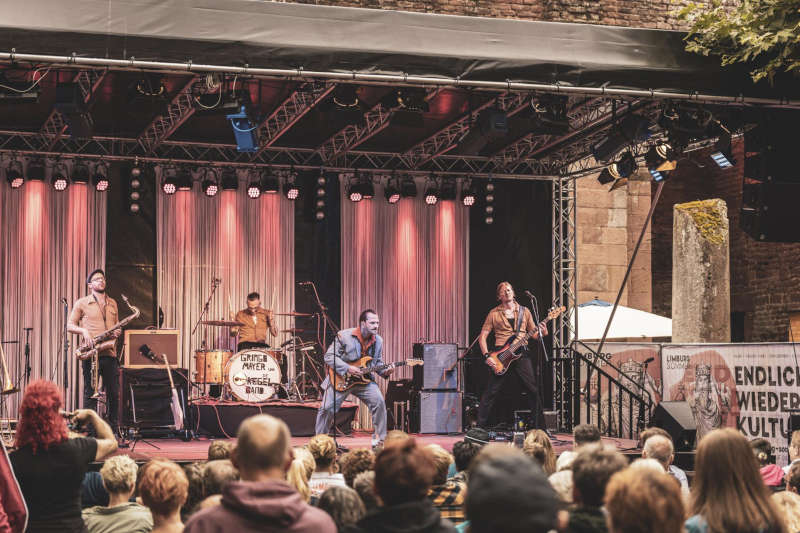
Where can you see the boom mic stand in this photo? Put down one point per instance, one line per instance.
(215, 282)
(331, 324)
(65, 352)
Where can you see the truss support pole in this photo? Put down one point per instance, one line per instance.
(565, 285)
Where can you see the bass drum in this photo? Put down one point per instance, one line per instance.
(253, 375)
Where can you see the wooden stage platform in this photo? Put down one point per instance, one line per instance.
(197, 449)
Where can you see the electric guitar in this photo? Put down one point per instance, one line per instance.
(500, 359)
(174, 402)
(344, 383)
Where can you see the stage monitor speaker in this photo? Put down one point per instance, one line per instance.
(676, 419)
(440, 371)
(160, 341)
(146, 396)
(439, 412)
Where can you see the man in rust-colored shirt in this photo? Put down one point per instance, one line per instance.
(504, 320)
(91, 316)
(256, 321)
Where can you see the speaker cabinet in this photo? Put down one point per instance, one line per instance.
(146, 396)
(160, 341)
(769, 212)
(440, 371)
(677, 420)
(436, 412)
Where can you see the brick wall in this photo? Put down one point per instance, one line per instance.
(631, 13)
(765, 278)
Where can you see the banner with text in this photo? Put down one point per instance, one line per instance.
(750, 387)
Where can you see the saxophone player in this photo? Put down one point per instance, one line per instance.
(91, 316)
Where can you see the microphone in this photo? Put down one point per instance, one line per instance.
(217, 280)
(304, 283)
(650, 360)
(147, 352)
(530, 295)
(64, 301)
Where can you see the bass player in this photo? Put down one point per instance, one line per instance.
(507, 320)
(91, 316)
(349, 346)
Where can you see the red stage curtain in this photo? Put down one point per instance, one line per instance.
(51, 240)
(247, 243)
(407, 261)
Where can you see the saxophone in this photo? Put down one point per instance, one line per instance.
(102, 342)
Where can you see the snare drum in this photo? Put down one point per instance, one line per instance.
(210, 365)
(253, 375)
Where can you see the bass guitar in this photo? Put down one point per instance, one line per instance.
(346, 382)
(500, 359)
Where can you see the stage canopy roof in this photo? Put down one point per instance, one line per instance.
(293, 59)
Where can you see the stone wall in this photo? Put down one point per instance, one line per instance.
(632, 13)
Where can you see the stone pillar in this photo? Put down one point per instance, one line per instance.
(701, 301)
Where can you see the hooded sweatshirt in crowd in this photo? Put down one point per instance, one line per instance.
(264, 506)
(413, 517)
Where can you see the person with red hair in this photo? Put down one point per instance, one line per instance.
(49, 465)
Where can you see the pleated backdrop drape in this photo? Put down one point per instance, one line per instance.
(408, 262)
(51, 240)
(247, 243)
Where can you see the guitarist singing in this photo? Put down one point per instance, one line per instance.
(506, 320)
(349, 346)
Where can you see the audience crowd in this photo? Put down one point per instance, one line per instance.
(262, 483)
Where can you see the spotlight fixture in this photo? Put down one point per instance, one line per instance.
(392, 191)
(489, 200)
(229, 181)
(320, 215)
(254, 185)
(623, 167)
(60, 179)
(100, 179)
(354, 192)
(168, 183)
(723, 154)
(184, 180)
(345, 95)
(448, 189)
(134, 185)
(270, 183)
(660, 160)
(36, 170)
(631, 129)
(408, 187)
(136, 170)
(605, 177)
(14, 174)
(244, 130)
(432, 192)
(292, 190)
(468, 194)
(210, 183)
(80, 172)
(367, 188)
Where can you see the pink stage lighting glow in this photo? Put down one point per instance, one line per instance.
(394, 198)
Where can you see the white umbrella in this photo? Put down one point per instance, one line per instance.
(627, 323)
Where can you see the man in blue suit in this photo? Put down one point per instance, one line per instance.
(347, 347)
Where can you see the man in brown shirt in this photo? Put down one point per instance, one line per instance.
(91, 316)
(255, 322)
(503, 320)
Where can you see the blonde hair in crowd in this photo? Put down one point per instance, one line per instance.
(300, 472)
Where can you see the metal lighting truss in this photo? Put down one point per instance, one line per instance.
(54, 127)
(565, 285)
(178, 111)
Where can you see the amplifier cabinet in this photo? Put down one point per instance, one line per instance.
(440, 371)
(160, 341)
(436, 412)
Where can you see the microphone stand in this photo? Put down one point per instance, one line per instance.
(64, 353)
(540, 400)
(28, 355)
(331, 324)
(215, 282)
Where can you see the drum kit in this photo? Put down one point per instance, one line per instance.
(254, 374)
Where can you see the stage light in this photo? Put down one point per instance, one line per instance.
(723, 153)
(489, 200)
(354, 192)
(489, 220)
(100, 178)
(447, 190)
(80, 172)
(135, 196)
(660, 160)
(60, 179)
(229, 181)
(134, 207)
(184, 180)
(320, 204)
(624, 166)
(14, 174)
(491, 125)
(367, 188)
(244, 131)
(168, 183)
(392, 193)
(320, 215)
(36, 170)
(292, 191)
(255, 185)
(431, 192)
(605, 177)
(408, 187)
(210, 183)
(468, 194)
(270, 183)
(136, 170)
(632, 129)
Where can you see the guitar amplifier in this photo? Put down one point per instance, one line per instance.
(436, 412)
(160, 341)
(440, 371)
(146, 396)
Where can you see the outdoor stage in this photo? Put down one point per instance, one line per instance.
(197, 449)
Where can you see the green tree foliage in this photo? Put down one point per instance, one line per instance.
(764, 34)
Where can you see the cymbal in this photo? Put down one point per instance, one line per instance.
(294, 331)
(293, 313)
(223, 323)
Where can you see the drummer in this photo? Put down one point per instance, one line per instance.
(255, 322)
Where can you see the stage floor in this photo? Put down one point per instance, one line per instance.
(197, 450)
